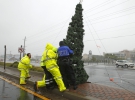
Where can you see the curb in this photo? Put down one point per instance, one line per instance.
(68, 95)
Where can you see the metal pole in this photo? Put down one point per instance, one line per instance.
(88, 59)
(5, 57)
(20, 53)
(24, 46)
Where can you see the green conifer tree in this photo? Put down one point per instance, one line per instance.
(74, 39)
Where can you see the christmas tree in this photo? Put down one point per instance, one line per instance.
(74, 40)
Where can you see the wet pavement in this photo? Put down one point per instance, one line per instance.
(11, 92)
(124, 78)
(13, 74)
(100, 88)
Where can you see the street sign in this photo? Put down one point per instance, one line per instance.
(20, 50)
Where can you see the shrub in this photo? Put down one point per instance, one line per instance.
(15, 65)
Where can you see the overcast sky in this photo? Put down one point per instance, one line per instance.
(109, 24)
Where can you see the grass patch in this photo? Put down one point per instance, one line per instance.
(7, 64)
(15, 65)
(39, 69)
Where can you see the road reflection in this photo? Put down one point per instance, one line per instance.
(101, 74)
(23, 95)
(11, 92)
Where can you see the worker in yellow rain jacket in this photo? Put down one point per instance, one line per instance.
(47, 80)
(49, 61)
(24, 66)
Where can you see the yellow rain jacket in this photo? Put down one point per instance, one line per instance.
(49, 59)
(24, 63)
(24, 66)
(49, 56)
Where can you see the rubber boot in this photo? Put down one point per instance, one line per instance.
(35, 86)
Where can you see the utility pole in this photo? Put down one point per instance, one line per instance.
(5, 57)
(89, 56)
(10, 54)
(20, 52)
(24, 46)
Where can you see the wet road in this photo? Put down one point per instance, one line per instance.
(11, 92)
(123, 77)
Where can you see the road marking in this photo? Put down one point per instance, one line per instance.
(25, 89)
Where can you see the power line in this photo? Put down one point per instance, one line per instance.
(48, 31)
(47, 37)
(51, 27)
(40, 40)
(118, 84)
(114, 18)
(61, 30)
(101, 30)
(100, 5)
(110, 7)
(108, 38)
(91, 4)
(48, 28)
(44, 30)
(117, 26)
(97, 35)
(39, 49)
(59, 33)
(101, 43)
(117, 12)
(87, 40)
(94, 39)
(122, 79)
(11, 46)
(105, 67)
(111, 37)
(123, 88)
(118, 30)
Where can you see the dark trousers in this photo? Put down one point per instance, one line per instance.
(47, 73)
(67, 72)
(49, 77)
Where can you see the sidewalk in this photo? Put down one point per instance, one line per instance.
(86, 91)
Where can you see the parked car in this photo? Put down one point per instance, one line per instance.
(124, 63)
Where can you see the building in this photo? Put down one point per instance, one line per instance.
(99, 58)
(37, 58)
(85, 57)
(8, 56)
(13, 59)
(125, 54)
(17, 56)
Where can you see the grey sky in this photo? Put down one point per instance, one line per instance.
(111, 23)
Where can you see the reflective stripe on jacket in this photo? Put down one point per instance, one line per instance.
(49, 56)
